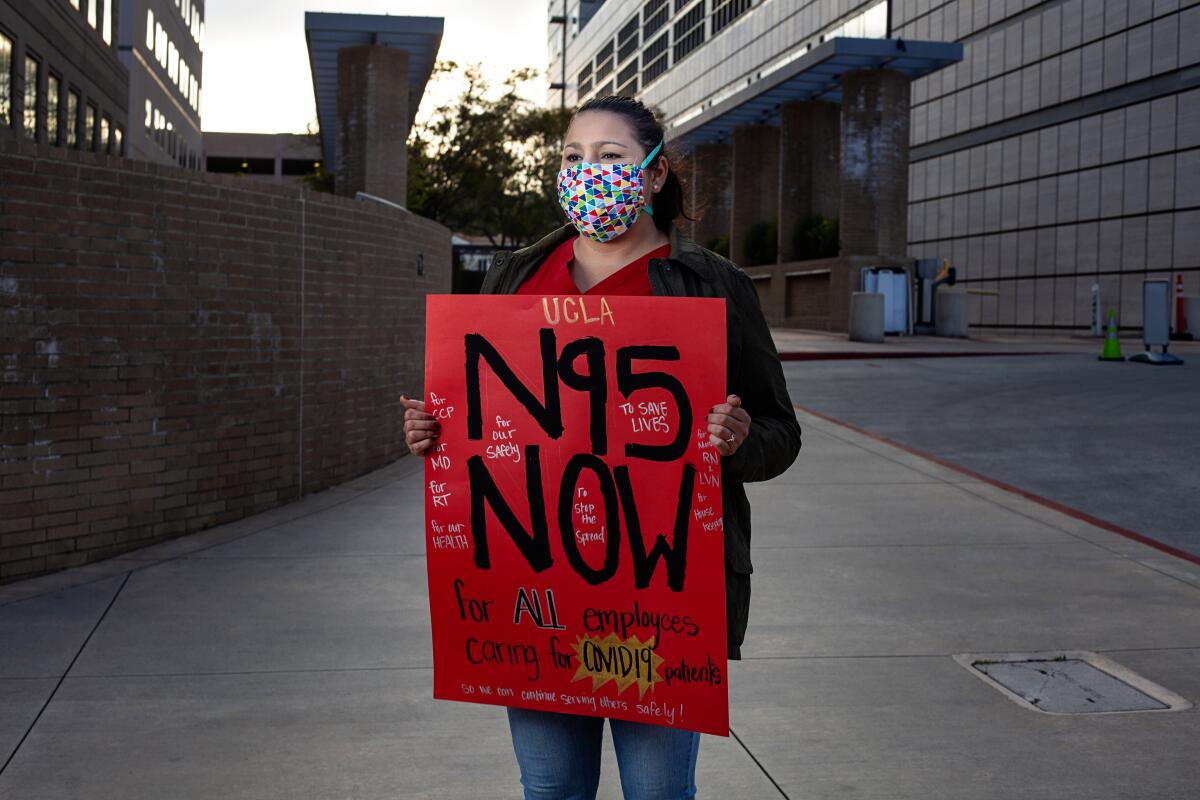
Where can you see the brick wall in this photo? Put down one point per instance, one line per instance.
(180, 350)
(755, 193)
(873, 214)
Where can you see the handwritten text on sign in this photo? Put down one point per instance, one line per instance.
(573, 506)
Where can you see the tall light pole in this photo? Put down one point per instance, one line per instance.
(562, 84)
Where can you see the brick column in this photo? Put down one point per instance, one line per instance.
(372, 156)
(755, 185)
(874, 204)
(810, 178)
(711, 189)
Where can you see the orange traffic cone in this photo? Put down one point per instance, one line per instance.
(1112, 345)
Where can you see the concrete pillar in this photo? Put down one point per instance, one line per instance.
(810, 179)
(952, 319)
(711, 192)
(372, 122)
(874, 205)
(866, 317)
(755, 186)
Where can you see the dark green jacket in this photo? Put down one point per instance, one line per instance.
(753, 373)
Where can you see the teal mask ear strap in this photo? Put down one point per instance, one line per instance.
(650, 158)
(653, 153)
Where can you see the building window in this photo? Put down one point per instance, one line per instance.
(6, 80)
(604, 61)
(627, 40)
(160, 45)
(105, 144)
(149, 117)
(654, 16)
(91, 12)
(118, 141)
(72, 119)
(585, 80)
(726, 11)
(604, 90)
(150, 30)
(655, 58)
(31, 98)
(53, 91)
(107, 22)
(89, 131)
(627, 80)
(240, 166)
(75, 4)
(294, 167)
(689, 31)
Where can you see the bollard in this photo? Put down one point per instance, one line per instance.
(866, 317)
(951, 313)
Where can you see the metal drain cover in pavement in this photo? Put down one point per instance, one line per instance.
(1071, 683)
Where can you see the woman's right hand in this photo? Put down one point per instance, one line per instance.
(421, 430)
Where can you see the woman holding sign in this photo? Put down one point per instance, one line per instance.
(622, 198)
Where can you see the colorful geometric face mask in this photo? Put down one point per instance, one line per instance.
(603, 200)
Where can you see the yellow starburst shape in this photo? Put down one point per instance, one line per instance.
(625, 662)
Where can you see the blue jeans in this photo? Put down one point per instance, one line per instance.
(559, 756)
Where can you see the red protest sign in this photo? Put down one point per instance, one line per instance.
(573, 506)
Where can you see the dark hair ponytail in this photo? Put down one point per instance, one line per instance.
(667, 201)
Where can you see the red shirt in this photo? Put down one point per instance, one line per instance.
(554, 277)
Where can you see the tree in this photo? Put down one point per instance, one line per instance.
(815, 236)
(318, 179)
(487, 164)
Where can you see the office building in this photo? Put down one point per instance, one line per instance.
(1060, 150)
(61, 81)
(162, 46)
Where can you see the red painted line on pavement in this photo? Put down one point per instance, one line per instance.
(828, 355)
(1037, 498)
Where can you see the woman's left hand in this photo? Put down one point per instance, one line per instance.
(728, 425)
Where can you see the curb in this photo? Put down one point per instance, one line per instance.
(830, 355)
(1061, 508)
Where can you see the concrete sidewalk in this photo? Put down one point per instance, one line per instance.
(287, 656)
(796, 344)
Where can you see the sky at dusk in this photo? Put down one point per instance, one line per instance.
(256, 75)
